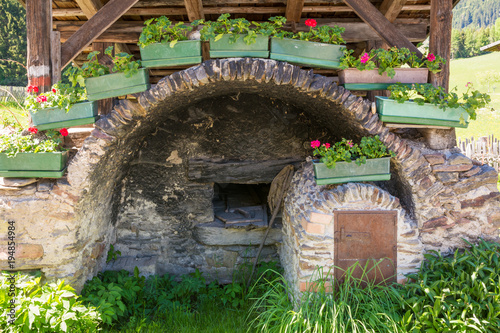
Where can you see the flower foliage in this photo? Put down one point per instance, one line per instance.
(17, 143)
(240, 26)
(62, 96)
(321, 34)
(346, 150)
(471, 100)
(387, 60)
(161, 30)
(92, 68)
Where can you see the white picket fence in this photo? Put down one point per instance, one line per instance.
(18, 92)
(485, 149)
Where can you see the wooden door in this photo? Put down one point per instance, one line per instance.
(368, 238)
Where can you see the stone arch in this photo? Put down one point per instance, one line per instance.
(443, 193)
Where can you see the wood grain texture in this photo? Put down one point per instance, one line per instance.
(93, 28)
(382, 26)
(194, 9)
(293, 10)
(440, 39)
(392, 8)
(89, 7)
(38, 29)
(55, 55)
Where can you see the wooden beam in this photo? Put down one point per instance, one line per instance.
(158, 11)
(93, 28)
(294, 10)
(381, 25)
(89, 7)
(55, 56)
(440, 39)
(392, 8)
(22, 2)
(194, 9)
(38, 29)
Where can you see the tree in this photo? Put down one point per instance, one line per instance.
(13, 43)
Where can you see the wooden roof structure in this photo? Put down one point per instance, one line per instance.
(491, 47)
(76, 27)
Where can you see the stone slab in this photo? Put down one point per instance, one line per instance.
(146, 265)
(216, 234)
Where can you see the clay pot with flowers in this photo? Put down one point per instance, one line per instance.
(379, 68)
(30, 153)
(346, 161)
(318, 47)
(63, 106)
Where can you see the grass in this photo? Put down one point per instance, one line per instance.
(470, 70)
(10, 113)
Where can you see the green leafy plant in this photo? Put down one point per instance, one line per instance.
(346, 150)
(52, 307)
(161, 30)
(92, 68)
(112, 254)
(471, 100)
(15, 143)
(235, 27)
(388, 60)
(457, 293)
(62, 96)
(321, 34)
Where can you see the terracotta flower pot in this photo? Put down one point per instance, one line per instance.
(354, 79)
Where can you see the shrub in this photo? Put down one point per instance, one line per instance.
(458, 293)
(52, 307)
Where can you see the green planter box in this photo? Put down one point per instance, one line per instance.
(42, 165)
(186, 52)
(116, 84)
(344, 172)
(354, 79)
(391, 111)
(223, 49)
(79, 114)
(306, 53)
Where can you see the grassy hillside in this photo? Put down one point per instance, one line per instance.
(471, 70)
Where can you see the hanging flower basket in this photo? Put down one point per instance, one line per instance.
(116, 84)
(373, 170)
(391, 111)
(79, 114)
(306, 53)
(355, 79)
(34, 165)
(222, 48)
(186, 52)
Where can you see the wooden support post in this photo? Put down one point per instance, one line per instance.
(104, 105)
(440, 39)
(293, 10)
(194, 9)
(38, 28)
(55, 54)
(93, 28)
(378, 22)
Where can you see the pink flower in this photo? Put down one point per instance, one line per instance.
(33, 130)
(311, 23)
(41, 99)
(32, 88)
(327, 145)
(63, 131)
(315, 143)
(349, 143)
(431, 57)
(54, 90)
(364, 58)
(468, 84)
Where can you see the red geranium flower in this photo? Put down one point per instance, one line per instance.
(431, 57)
(32, 89)
(315, 143)
(54, 90)
(41, 99)
(63, 131)
(327, 145)
(33, 130)
(311, 23)
(364, 58)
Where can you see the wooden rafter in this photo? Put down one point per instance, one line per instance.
(440, 39)
(382, 26)
(89, 7)
(194, 9)
(93, 28)
(392, 8)
(293, 10)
